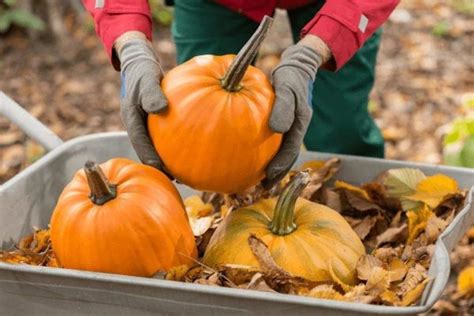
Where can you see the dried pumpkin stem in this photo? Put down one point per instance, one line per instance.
(102, 190)
(283, 217)
(238, 67)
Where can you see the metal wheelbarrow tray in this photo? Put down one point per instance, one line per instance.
(28, 199)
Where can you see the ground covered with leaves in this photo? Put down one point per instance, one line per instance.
(398, 216)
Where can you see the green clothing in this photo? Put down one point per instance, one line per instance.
(340, 122)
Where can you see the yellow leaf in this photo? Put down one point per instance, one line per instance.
(349, 187)
(414, 294)
(417, 221)
(390, 298)
(466, 282)
(312, 164)
(397, 269)
(196, 208)
(177, 273)
(358, 294)
(432, 190)
(323, 291)
(365, 266)
(378, 282)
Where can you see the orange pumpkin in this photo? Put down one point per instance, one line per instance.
(121, 217)
(215, 134)
(305, 238)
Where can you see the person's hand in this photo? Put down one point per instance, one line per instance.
(141, 93)
(293, 83)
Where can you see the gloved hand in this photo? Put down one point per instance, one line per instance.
(293, 83)
(141, 94)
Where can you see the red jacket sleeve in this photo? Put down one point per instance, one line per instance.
(112, 18)
(345, 25)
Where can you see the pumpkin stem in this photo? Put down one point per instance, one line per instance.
(238, 67)
(102, 190)
(283, 216)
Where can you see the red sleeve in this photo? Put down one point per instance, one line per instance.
(345, 25)
(112, 18)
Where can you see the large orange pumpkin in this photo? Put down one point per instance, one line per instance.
(215, 134)
(121, 217)
(305, 238)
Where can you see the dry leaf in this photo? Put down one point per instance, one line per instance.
(196, 208)
(358, 295)
(393, 235)
(276, 277)
(414, 294)
(417, 221)
(415, 276)
(466, 282)
(201, 225)
(432, 190)
(349, 187)
(390, 298)
(258, 283)
(397, 269)
(378, 281)
(238, 274)
(323, 291)
(319, 175)
(177, 273)
(366, 265)
(434, 227)
(362, 227)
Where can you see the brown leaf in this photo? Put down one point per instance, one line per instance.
(364, 227)
(390, 298)
(434, 227)
(414, 294)
(397, 269)
(319, 175)
(358, 295)
(323, 291)
(378, 281)
(358, 203)
(238, 274)
(415, 276)
(276, 277)
(177, 273)
(258, 283)
(392, 235)
(366, 265)
(332, 199)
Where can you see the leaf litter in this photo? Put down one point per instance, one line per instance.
(398, 216)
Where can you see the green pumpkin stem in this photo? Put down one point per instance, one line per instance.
(102, 190)
(238, 67)
(283, 222)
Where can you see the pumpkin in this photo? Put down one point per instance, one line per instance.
(306, 239)
(121, 217)
(214, 136)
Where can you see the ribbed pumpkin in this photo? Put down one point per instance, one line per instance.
(215, 134)
(306, 239)
(121, 217)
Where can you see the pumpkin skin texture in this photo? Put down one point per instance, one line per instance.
(140, 231)
(212, 139)
(322, 242)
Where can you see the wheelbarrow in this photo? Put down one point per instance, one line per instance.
(28, 199)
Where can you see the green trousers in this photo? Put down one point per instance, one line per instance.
(340, 122)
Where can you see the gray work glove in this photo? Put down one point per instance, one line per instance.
(293, 83)
(141, 94)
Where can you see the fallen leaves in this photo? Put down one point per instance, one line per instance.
(398, 216)
(466, 282)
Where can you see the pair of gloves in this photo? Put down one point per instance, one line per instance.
(292, 80)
